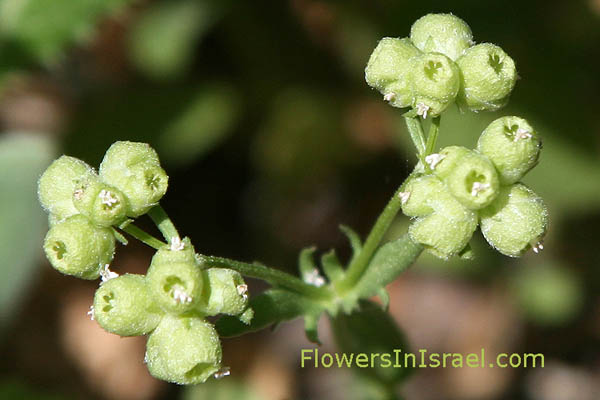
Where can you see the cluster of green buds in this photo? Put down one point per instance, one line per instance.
(458, 189)
(438, 65)
(171, 302)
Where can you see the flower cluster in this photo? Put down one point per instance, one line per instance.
(438, 65)
(459, 188)
(171, 302)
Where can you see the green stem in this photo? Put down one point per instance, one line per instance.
(433, 135)
(416, 133)
(273, 276)
(358, 266)
(163, 222)
(142, 236)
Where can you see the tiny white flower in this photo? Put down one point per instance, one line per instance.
(538, 247)
(522, 134)
(479, 187)
(315, 278)
(91, 312)
(106, 274)
(389, 96)
(177, 244)
(222, 373)
(434, 159)
(181, 296)
(422, 110)
(77, 194)
(243, 291)
(404, 196)
(107, 198)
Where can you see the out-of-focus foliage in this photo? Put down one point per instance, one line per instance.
(226, 389)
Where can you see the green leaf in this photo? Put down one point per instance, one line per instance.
(311, 323)
(332, 266)
(384, 296)
(354, 238)
(23, 158)
(271, 307)
(306, 262)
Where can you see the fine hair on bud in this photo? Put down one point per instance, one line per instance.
(123, 306)
(103, 204)
(512, 145)
(134, 169)
(435, 81)
(77, 247)
(442, 33)
(175, 286)
(488, 77)
(225, 292)
(183, 350)
(57, 183)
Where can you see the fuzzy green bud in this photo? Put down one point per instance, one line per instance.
(442, 33)
(388, 67)
(515, 221)
(435, 81)
(123, 306)
(57, 183)
(225, 292)
(512, 145)
(488, 77)
(176, 286)
(105, 205)
(470, 176)
(183, 350)
(178, 251)
(421, 194)
(76, 247)
(134, 168)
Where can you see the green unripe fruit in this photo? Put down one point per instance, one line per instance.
(183, 350)
(179, 251)
(388, 67)
(134, 168)
(421, 194)
(488, 77)
(512, 145)
(442, 33)
(445, 232)
(444, 162)
(225, 292)
(57, 183)
(103, 204)
(76, 247)
(515, 221)
(176, 287)
(435, 81)
(123, 306)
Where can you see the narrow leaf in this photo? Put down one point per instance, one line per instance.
(332, 266)
(306, 262)
(311, 328)
(354, 238)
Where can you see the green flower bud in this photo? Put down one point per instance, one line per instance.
(512, 145)
(435, 81)
(57, 183)
(388, 67)
(179, 251)
(176, 286)
(470, 176)
(225, 292)
(123, 306)
(442, 33)
(76, 247)
(515, 221)
(183, 350)
(421, 194)
(134, 168)
(488, 77)
(103, 204)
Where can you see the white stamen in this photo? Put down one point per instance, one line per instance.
(479, 187)
(106, 274)
(222, 373)
(108, 198)
(243, 291)
(434, 159)
(91, 312)
(77, 194)
(177, 244)
(181, 296)
(522, 134)
(404, 196)
(389, 96)
(538, 247)
(314, 278)
(422, 110)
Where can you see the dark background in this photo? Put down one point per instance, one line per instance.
(271, 138)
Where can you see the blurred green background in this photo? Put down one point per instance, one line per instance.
(262, 118)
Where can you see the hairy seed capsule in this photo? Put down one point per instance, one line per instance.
(57, 183)
(512, 145)
(103, 204)
(422, 192)
(123, 306)
(183, 350)
(134, 168)
(76, 247)
(435, 81)
(176, 286)
(388, 67)
(225, 292)
(442, 33)
(178, 251)
(488, 77)
(515, 221)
